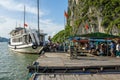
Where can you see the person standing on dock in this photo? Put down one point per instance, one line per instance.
(92, 47)
(71, 50)
(118, 50)
(112, 48)
(75, 50)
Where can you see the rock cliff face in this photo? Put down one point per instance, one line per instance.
(86, 16)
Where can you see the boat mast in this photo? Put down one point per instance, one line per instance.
(38, 16)
(24, 19)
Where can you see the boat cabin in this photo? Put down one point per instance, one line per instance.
(25, 36)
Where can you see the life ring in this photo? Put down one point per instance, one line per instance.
(34, 46)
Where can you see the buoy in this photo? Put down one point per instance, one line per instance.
(34, 46)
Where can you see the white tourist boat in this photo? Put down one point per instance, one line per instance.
(26, 40)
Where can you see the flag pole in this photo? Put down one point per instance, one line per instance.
(38, 21)
(24, 16)
(64, 31)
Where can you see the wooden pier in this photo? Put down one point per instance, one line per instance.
(76, 77)
(59, 66)
(61, 63)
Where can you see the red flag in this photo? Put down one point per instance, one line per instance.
(65, 14)
(86, 27)
(25, 25)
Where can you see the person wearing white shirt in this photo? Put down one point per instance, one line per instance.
(118, 50)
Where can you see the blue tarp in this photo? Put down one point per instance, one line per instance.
(100, 40)
(74, 38)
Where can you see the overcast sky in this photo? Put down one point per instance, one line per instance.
(51, 15)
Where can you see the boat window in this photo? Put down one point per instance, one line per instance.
(15, 40)
(30, 40)
(25, 39)
(20, 39)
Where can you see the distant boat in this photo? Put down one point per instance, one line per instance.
(27, 40)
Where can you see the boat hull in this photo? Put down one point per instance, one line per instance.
(25, 49)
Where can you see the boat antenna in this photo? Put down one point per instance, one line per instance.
(16, 24)
(38, 16)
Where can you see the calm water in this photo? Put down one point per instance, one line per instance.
(13, 66)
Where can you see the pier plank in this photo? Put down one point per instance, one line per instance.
(117, 76)
(98, 77)
(59, 77)
(113, 77)
(83, 77)
(62, 77)
(78, 77)
(106, 77)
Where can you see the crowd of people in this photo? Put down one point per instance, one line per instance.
(107, 49)
(110, 48)
(55, 47)
(101, 48)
